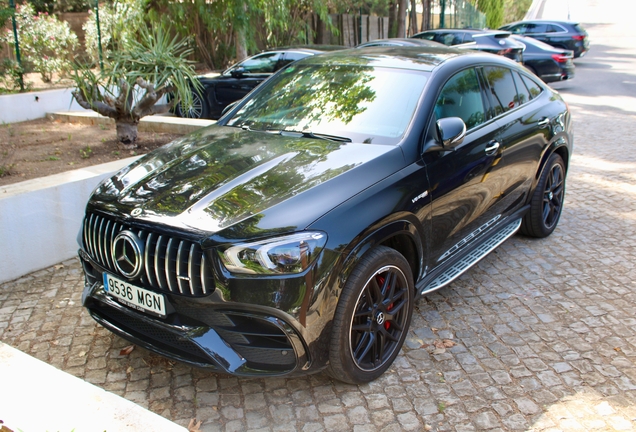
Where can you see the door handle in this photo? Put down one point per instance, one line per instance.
(492, 147)
(544, 122)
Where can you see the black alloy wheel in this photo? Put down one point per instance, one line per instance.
(198, 110)
(372, 318)
(547, 201)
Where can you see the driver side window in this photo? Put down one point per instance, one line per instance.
(461, 97)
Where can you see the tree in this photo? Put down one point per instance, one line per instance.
(135, 79)
(119, 23)
(494, 11)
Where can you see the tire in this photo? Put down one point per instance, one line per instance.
(199, 109)
(546, 204)
(372, 318)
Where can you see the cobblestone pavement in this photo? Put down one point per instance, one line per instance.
(544, 331)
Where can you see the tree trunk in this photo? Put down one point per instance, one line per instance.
(241, 49)
(413, 27)
(401, 25)
(127, 132)
(426, 15)
(393, 18)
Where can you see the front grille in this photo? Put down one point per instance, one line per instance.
(170, 264)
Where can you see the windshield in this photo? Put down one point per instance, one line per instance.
(357, 102)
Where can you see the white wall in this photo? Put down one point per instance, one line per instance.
(40, 218)
(25, 106)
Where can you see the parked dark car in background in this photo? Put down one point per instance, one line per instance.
(560, 34)
(296, 234)
(492, 41)
(220, 90)
(399, 42)
(548, 63)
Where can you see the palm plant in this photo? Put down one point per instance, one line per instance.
(134, 80)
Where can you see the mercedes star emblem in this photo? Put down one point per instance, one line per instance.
(128, 251)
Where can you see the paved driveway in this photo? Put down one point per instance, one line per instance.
(540, 335)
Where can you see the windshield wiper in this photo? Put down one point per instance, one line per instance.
(306, 134)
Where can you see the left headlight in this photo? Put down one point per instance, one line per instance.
(281, 255)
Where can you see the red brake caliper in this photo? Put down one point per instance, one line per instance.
(381, 280)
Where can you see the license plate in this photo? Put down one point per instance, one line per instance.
(134, 296)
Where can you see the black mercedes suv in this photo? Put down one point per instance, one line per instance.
(297, 234)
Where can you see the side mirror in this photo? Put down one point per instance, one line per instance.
(450, 132)
(239, 72)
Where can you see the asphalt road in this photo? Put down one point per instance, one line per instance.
(543, 332)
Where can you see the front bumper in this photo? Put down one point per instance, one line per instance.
(231, 338)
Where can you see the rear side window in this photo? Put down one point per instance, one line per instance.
(461, 97)
(534, 88)
(555, 29)
(427, 36)
(502, 89)
(449, 38)
(523, 94)
(536, 28)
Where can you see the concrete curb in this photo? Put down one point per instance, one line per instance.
(161, 124)
(36, 396)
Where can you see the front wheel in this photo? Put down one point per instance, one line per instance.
(198, 110)
(547, 201)
(372, 317)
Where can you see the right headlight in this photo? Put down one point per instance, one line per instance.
(280, 255)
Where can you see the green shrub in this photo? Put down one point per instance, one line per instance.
(46, 43)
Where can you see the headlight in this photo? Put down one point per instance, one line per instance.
(281, 255)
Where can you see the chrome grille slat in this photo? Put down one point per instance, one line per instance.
(100, 242)
(203, 278)
(178, 267)
(191, 258)
(95, 238)
(148, 263)
(161, 277)
(91, 228)
(107, 242)
(172, 264)
(113, 234)
(86, 230)
(167, 264)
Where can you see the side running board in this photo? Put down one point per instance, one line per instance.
(473, 257)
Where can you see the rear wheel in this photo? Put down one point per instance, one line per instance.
(547, 201)
(198, 110)
(372, 317)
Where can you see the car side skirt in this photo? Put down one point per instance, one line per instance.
(455, 267)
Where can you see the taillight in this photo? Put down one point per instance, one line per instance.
(559, 58)
(578, 37)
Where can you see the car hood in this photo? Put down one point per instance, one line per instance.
(222, 176)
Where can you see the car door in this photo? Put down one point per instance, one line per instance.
(239, 80)
(523, 131)
(464, 183)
